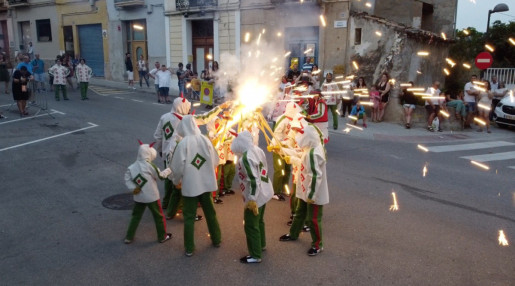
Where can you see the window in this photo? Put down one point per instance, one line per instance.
(44, 30)
(357, 36)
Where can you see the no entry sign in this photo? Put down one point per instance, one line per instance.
(484, 60)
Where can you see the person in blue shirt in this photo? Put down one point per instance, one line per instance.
(25, 63)
(359, 112)
(39, 73)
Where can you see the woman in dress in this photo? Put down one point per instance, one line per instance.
(485, 99)
(21, 78)
(384, 90)
(4, 73)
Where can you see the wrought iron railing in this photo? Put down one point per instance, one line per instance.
(185, 5)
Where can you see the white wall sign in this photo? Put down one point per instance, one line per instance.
(340, 24)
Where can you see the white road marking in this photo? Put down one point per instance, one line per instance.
(119, 97)
(472, 146)
(92, 125)
(30, 117)
(492, 157)
(511, 167)
(137, 100)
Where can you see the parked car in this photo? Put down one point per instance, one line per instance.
(504, 113)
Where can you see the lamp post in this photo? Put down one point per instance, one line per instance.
(498, 8)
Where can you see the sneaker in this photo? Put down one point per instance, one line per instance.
(198, 217)
(127, 241)
(188, 254)
(306, 228)
(286, 237)
(314, 251)
(218, 201)
(250, 259)
(167, 237)
(275, 197)
(280, 197)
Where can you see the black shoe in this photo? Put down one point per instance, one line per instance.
(221, 194)
(198, 217)
(286, 237)
(314, 251)
(167, 237)
(230, 192)
(218, 201)
(250, 259)
(281, 197)
(305, 228)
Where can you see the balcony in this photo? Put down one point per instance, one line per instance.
(128, 3)
(18, 3)
(3, 6)
(187, 5)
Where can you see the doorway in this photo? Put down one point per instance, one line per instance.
(137, 43)
(202, 44)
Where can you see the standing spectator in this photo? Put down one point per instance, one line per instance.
(485, 98)
(153, 74)
(39, 73)
(181, 76)
(189, 76)
(375, 98)
(384, 90)
(408, 102)
(20, 90)
(498, 94)
(470, 100)
(26, 63)
(130, 70)
(293, 73)
(4, 73)
(333, 97)
(195, 87)
(164, 77)
(83, 73)
(59, 73)
(315, 73)
(30, 52)
(494, 83)
(193, 170)
(142, 71)
(69, 65)
(433, 105)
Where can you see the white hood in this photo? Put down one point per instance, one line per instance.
(146, 153)
(181, 105)
(292, 109)
(242, 143)
(309, 138)
(188, 127)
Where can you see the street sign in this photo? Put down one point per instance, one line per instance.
(484, 60)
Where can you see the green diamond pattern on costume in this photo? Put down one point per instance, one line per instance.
(263, 173)
(168, 130)
(198, 161)
(140, 181)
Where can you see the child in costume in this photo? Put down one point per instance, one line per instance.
(193, 171)
(312, 189)
(141, 178)
(256, 190)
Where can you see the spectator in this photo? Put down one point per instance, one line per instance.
(153, 74)
(470, 100)
(181, 76)
(142, 71)
(315, 73)
(189, 76)
(456, 102)
(39, 73)
(30, 52)
(4, 73)
(359, 112)
(293, 73)
(20, 90)
(130, 70)
(384, 90)
(26, 63)
(433, 105)
(333, 98)
(494, 83)
(83, 73)
(59, 73)
(498, 94)
(69, 65)
(195, 86)
(375, 98)
(485, 99)
(408, 101)
(164, 76)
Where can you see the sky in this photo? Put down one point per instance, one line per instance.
(474, 13)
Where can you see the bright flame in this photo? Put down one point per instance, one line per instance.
(252, 94)
(423, 53)
(444, 113)
(479, 121)
(480, 165)
(490, 48)
(467, 66)
(247, 37)
(424, 171)
(422, 148)
(379, 33)
(502, 238)
(355, 64)
(446, 71)
(395, 206)
(480, 105)
(444, 36)
(512, 41)
(322, 20)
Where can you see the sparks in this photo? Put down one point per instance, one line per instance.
(352, 126)
(490, 48)
(279, 34)
(444, 113)
(209, 57)
(467, 66)
(355, 64)
(368, 4)
(353, 117)
(444, 36)
(450, 62)
(308, 51)
(258, 39)
(479, 121)
(424, 171)
(512, 41)
(395, 206)
(279, 162)
(287, 189)
(346, 130)
(479, 83)
(480, 165)
(188, 85)
(282, 172)
(337, 111)
(423, 53)
(466, 32)
(247, 37)
(502, 239)
(446, 71)
(235, 160)
(416, 89)
(405, 84)
(287, 54)
(264, 30)
(196, 104)
(419, 72)
(379, 34)
(486, 107)
(433, 97)
(422, 148)
(322, 20)
(367, 103)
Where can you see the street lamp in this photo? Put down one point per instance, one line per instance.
(498, 8)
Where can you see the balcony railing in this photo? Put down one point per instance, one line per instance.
(128, 3)
(185, 5)
(18, 3)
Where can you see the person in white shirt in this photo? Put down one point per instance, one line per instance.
(494, 84)
(498, 94)
(433, 105)
(470, 100)
(153, 74)
(164, 77)
(142, 71)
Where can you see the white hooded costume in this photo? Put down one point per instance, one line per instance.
(194, 160)
(283, 124)
(224, 149)
(144, 174)
(252, 170)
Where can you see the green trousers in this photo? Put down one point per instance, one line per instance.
(310, 214)
(174, 202)
(333, 109)
(293, 200)
(58, 87)
(83, 89)
(255, 231)
(137, 213)
(225, 175)
(190, 211)
(280, 180)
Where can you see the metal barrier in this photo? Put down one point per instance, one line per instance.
(506, 75)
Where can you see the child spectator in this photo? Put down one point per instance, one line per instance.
(195, 87)
(359, 112)
(375, 98)
(256, 190)
(141, 178)
(408, 101)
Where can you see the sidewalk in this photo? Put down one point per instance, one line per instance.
(124, 85)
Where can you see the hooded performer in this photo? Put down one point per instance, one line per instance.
(317, 113)
(282, 171)
(256, 190)
(312, 189)
(193, 170)
(141, 179)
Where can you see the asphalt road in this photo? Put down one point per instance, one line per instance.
(57, 172)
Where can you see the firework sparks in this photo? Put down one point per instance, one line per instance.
(422, 148)
(480, 121)
(423, 53)
(465, 65)
(367, 103)
(287, 54)
(466, 32)
(279, 162)
(353, 117)
(512, 41)
(279, 34)
(395, 206)
(346, 130)
(322, 20)
(308, 51)
(235, 160)
(486, 107)
(355, 64)
(379, 34)
(247, 37)
(442, 112)
(424, 171)
(262, 32)
(416, 89)
(480, 165)
(196, 104)
(282, 172)
(287, 189)
(405, 84)
(355, 127)
(368, 4)
(419, 72)
(209, 57)
(489, 47)
(450, 62)
(444, 36)
(446, 71)
(188, 85)
(502, 238)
